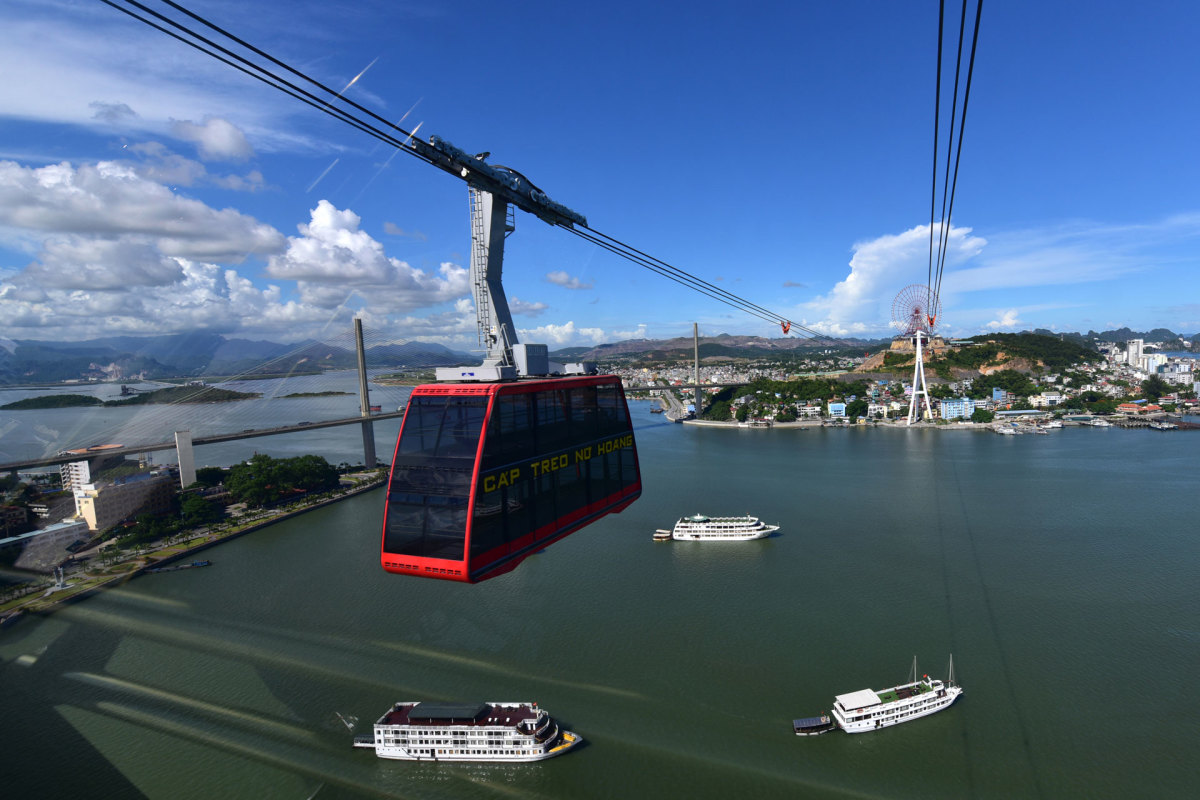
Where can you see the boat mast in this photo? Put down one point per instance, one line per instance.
(950, 678)
(913, 675)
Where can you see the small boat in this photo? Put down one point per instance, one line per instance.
(1163, 426)
(699, 527)
(662, 536)
(1100, 423)
(813, 726)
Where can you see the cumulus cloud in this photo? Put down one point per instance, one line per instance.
(637, 333)
(1008, 321)
(861, 303)
(215, 138)
(520, 307)
(114, 252)
(110, 200)
(561, 278)
(333, 251)
(561, 335)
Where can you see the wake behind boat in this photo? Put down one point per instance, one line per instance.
(699, 527)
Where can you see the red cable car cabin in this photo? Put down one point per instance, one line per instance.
(486, 474)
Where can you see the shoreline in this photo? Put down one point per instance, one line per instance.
(52, 604)
(807, 424)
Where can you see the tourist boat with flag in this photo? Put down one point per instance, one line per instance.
(423, 731)
(869, 710)
(699, 527)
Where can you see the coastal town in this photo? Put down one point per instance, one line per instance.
(1130, 381)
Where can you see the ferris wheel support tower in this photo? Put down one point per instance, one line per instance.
(914, 403)
(915, 311)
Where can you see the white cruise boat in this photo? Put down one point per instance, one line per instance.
(1100, 423)
(870, 710)
(699, 527)
(419, 731)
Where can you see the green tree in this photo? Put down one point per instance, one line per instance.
(856, 408)
(982, 415)
(718, 411)
(1155, 387)
(743, 412)
(197, 511)
(210, 476)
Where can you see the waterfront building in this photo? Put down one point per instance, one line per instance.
(877, 410)
(105, 506)
(957, 408)
(1045, 399)
(837, 409)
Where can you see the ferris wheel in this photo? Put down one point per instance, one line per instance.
(916, 308)
(915, 312)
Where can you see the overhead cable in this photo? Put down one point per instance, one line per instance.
(937, 261)
(398, 137)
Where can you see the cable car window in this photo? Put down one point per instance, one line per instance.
(611, 410)
(582, 404)
(510, 434)
(572, 491)
(519, 512)
(544, 512)
(552, 430)
(431, 477)
(487, 527)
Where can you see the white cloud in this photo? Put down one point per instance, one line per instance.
(637, 333)
(861, 303)
(111, 73)
(115, 253)
(566, 281)
(110, 200)
(217, 139)
(562, 335)
(522, 308)
(1008, 321)
(332, 250)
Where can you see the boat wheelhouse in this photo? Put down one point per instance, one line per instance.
(422, 731)
(699, 527)
(486, 474)
(869, 710)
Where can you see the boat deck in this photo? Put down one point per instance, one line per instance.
(903, 692)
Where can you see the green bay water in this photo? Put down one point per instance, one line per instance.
(1060, 570)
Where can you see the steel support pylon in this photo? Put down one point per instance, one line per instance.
(914, 405)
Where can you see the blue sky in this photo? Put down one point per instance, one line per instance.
(779, 150)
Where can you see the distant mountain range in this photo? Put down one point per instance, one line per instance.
(198, 354)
